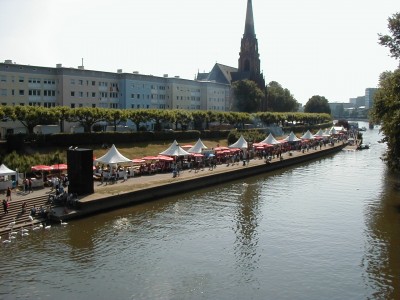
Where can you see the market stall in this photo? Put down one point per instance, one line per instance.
(7, 177)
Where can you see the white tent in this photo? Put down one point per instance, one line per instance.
(113, 157)
(307, 136)
(319, 134)
(175, 150)
(291, 138)
(4, 171)
(326, 133)
(241, 143)
(270, 140)
(333, 130)
(198, 147)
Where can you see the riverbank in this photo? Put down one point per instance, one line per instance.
(151, 187)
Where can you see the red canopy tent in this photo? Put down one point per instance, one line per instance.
(60, 167)
(138, 160)
(221, 148)
(165, 158)
(41, 168)
(150, 158)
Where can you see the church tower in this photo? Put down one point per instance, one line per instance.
(249, 58)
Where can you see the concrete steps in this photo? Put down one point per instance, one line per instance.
(21, 219)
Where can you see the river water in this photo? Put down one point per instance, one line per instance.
(326, 229)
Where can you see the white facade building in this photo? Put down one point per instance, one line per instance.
(77, 87)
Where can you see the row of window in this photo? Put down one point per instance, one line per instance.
(93, 94)
(192, 91)
(45, 104)
(153, 87)
(33, 92)
(46, 93)
(216, 99)
(110, 105)
(192, 107)
(152, 96)
(192, 98)
(3, 78)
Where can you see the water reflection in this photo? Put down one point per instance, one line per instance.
(246, 220)
(381, 260)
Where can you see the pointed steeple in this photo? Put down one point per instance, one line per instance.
(249, 26)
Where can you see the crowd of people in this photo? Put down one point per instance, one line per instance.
(210, 159)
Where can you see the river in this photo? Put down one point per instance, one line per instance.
(326, 229)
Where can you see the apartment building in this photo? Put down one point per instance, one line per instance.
(78, 87)
(87, 88)
(27, 85)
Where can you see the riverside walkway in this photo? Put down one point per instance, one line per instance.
(140, 184)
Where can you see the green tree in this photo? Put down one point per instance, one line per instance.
(386, 110)
(183, 117)
(280, 99)
(87, 117)
(199, 117)
(160, 116)
(392, 41)
(317, 104)
(248, 96)
(63, 113)
(386, 107)
(116, 117)
(211, 117)
(30, 116)
(138, 116)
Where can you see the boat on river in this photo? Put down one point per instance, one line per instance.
(363, 146)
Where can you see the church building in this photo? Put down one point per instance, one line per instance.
(249, 59)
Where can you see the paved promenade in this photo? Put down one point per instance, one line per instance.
(145, 181)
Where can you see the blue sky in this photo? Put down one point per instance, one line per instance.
(326, 48)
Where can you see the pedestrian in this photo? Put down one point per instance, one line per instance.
(26, 185)
(30, 185)
(8, 194)
(23, 208)
(33, 211)
(5, 206)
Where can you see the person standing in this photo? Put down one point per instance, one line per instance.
(5, 206)
(8, 195)
(23, 208)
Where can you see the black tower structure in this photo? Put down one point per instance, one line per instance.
(80, 171)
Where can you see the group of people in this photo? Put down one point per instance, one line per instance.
(27, 185)
(114, 175)
(41, 212)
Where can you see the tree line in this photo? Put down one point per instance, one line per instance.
(249, 98)
(30, 116)
(386, 108)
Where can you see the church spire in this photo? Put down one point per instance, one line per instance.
(249, 26)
